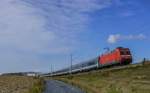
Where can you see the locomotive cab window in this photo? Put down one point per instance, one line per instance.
(122, 53)
(128, 53)
(125, 52)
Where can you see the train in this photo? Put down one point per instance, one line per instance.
(118, 56)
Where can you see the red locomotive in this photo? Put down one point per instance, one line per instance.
(118, 56)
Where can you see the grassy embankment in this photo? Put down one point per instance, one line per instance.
(128, 80)
(20, 84)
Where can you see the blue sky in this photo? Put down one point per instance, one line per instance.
(35, 34)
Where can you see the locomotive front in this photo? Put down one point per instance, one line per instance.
(125, 55)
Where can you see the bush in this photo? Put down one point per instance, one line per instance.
(38, 86)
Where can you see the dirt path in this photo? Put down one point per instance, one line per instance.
(53, 86)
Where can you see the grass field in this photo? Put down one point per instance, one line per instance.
(129, 80)
(20, 84)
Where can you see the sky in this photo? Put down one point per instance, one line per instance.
(35, 34)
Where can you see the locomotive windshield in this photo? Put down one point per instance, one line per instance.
(125, 52)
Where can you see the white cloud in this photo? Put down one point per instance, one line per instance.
(35, 27)
(67, 17)
(114, 38)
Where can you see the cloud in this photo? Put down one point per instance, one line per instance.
(114, 38)
(67, 17)
(29, 28)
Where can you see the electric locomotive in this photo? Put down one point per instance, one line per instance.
(118, 56)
